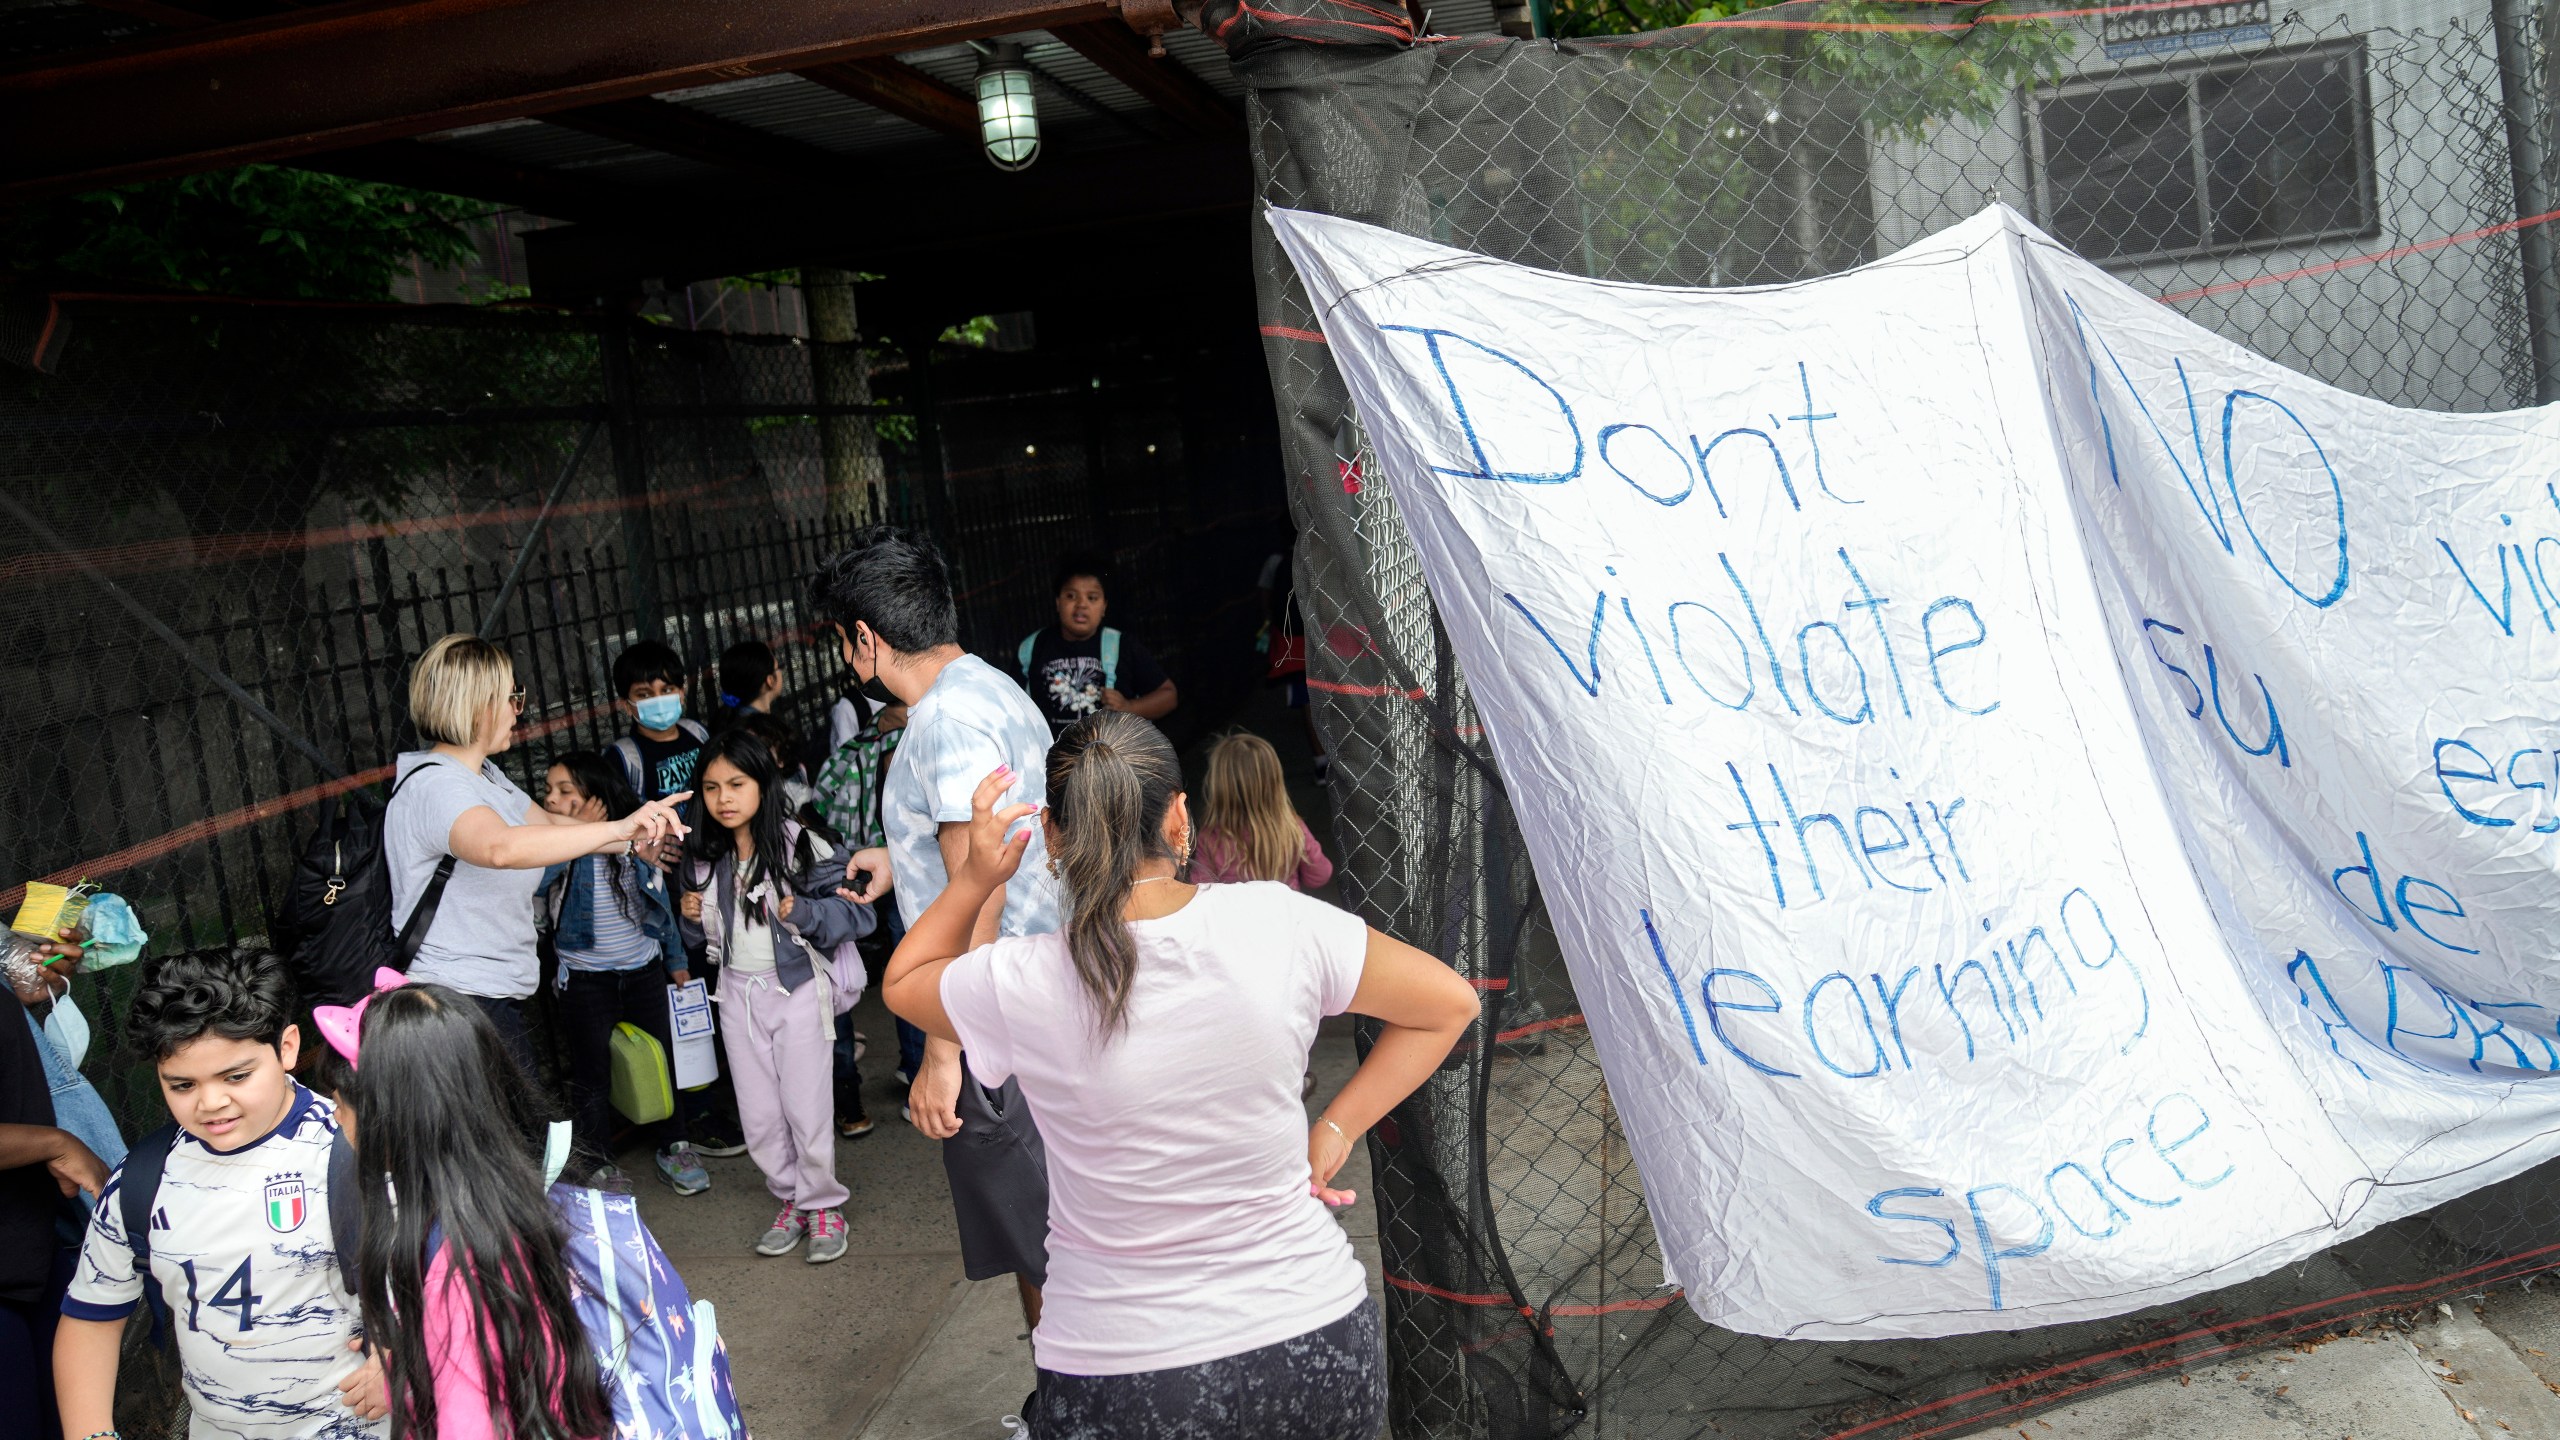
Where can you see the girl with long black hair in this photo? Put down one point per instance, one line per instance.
(613, 928)
(462, 1263)
(1196, 1284)
(762, 887)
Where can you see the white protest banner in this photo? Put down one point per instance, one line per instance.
(2048, 812)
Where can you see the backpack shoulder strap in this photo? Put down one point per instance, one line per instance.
(1023, 655)
(694, 728)
(140, 1187)
(346, 1214)
(422, 916)
(1110, 658)
(627, 751)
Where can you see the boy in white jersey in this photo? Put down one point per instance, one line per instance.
(240, 1244)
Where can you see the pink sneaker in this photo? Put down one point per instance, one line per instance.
(826, 1236)
(788, 1228)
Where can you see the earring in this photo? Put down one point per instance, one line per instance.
(1182, 857)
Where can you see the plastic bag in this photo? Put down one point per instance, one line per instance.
(116, 937)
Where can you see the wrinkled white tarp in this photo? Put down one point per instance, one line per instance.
(2048, 811)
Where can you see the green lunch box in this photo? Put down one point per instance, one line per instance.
(642, 1089)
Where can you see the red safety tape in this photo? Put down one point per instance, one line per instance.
(1288, 332)
(1750, 20)
(193, 832)
(1560, 1022)
(2396, 252)
(1503, 1302)
(1369, 692)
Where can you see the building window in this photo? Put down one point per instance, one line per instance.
(2269, 148)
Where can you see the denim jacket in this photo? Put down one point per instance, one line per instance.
(78, 1108)
(820, 919)
(571, 907)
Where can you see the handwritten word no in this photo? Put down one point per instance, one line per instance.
(2252, 423)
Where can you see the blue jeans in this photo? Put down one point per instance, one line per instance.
(910, 1039)
(77, 1106)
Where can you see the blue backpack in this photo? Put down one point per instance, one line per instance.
(658, 1347)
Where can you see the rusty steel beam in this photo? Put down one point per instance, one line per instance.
(901, 90)
(672, 129)
(451, 171)
(1122, 54)
(372, 70)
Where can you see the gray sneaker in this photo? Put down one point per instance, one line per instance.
(681, 1168)
(785, 1236)
(610, 1179)
(826, 1236)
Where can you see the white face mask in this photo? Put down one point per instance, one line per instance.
(68, 1029)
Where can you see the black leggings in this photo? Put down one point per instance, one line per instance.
(1328, 1384)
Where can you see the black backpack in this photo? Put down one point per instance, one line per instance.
(334, 928)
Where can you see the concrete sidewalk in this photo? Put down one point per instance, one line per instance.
(2479, 1368)
(815, 1348)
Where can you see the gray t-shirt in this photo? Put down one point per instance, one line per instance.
(971, 721)
(481, 941)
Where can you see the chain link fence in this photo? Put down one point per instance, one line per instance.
(227, 529)
(2357, 191)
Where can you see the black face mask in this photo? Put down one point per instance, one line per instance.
(869, 696)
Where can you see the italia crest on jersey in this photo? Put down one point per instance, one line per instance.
(286, 1205)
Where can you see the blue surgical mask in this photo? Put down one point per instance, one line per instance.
(660, 712)
(68, 1029)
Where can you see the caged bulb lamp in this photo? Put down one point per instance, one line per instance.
(1008, 122)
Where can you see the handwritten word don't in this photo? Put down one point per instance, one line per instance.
(1519, 429)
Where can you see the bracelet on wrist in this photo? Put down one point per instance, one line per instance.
(1327, 1122)
(102, 1435)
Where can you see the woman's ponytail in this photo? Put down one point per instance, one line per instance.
(1111, 780)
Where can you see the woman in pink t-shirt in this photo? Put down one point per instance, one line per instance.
(1196, 1282)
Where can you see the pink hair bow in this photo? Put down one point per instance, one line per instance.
(340, 1025)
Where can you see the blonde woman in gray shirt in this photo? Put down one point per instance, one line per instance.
(453, 811)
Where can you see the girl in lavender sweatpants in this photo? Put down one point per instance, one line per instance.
(762, 890)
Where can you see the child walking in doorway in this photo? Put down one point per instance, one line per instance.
(762, 888)
(1248, 829)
